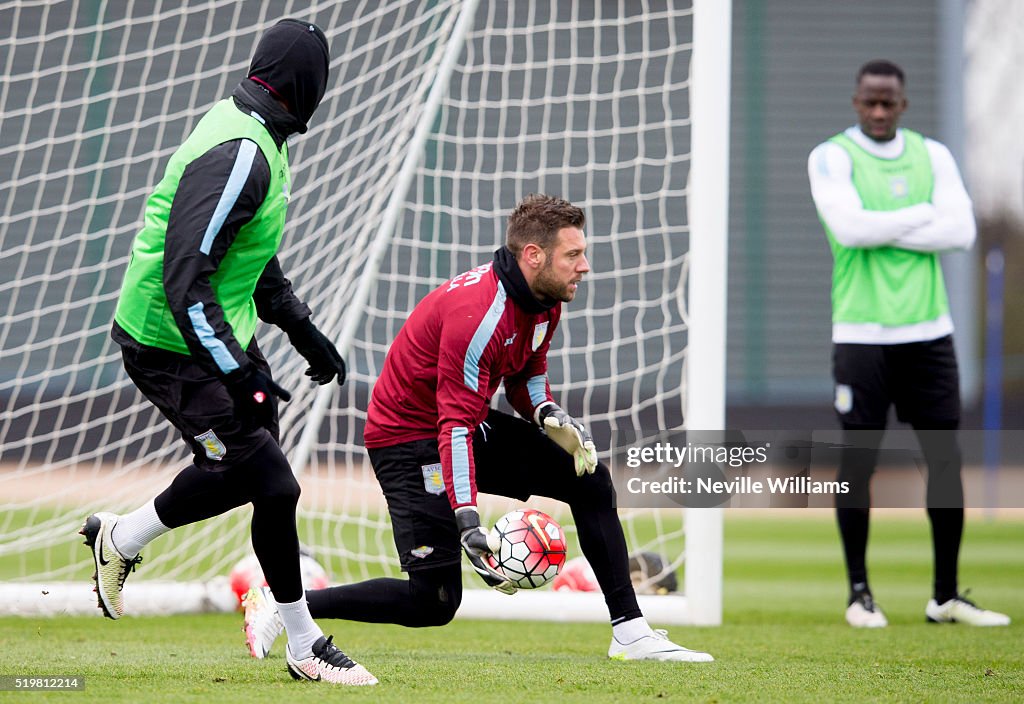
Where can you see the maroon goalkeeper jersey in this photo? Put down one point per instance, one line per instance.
(446, 363)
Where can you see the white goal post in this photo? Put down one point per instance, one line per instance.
(440, 116)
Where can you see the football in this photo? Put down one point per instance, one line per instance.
(529, 548)
(247, 573)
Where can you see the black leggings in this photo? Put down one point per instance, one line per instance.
(430, 597)
(265, 479)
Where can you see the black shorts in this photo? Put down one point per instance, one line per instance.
(919, 378)
(198, 405)
(513, 458)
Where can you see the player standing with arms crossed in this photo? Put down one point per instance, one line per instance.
(891, 200)
(203, 268)
(434, 441)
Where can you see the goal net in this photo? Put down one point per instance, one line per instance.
(440, 116)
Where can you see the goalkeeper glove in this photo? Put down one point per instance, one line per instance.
(251, 391)
(570, 435)
(322, 355)
(478, 549)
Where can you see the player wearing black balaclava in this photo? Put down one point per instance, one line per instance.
(203, 271)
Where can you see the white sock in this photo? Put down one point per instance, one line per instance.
(632, 630)
(133, 531)
(302, 629)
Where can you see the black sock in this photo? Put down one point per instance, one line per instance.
(945, 500)
(853, 528)
(947, 530)
(853, 509)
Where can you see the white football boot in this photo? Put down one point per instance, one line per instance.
(961, 610)
(262, 623)
(328, 664)
(111, 567)
(655, 646)
(863, 612)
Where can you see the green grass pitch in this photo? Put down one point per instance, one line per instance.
(784, 639)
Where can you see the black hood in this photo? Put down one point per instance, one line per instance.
(292, 60)
(250, 97)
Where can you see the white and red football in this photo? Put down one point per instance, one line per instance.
(529, 548)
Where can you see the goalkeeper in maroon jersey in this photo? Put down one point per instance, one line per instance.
(435, 442)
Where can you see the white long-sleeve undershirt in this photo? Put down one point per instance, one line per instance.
(946, 223)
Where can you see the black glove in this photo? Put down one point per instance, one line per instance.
(251, 391)
(474, 542)
(322, 355)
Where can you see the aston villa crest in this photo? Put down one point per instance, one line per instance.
(898, 187)
(539, 332)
